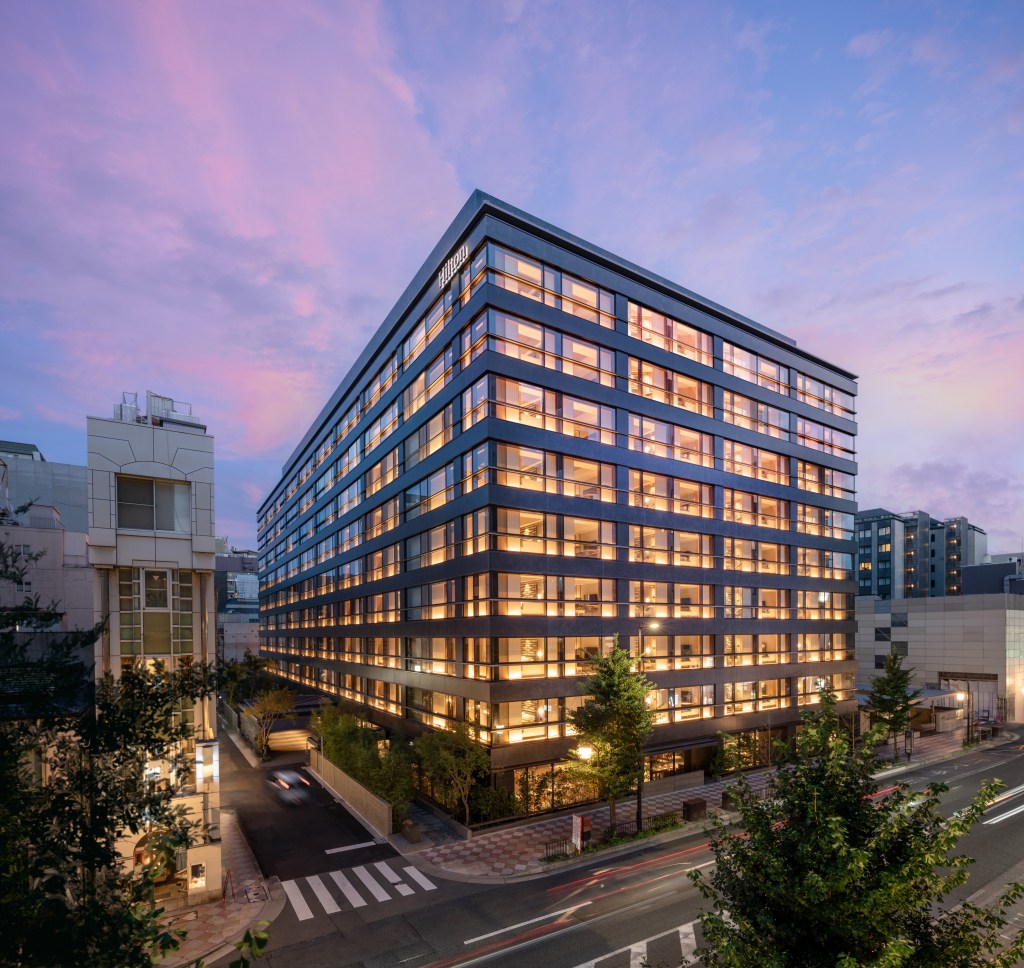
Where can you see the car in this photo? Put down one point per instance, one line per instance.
(289, 786)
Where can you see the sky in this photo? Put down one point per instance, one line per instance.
(222, 201)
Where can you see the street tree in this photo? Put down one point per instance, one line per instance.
(616, 722)
(74, 754)
(241, 679)
(827, 870)
(453, 761)
(891, 698)
(267, 709)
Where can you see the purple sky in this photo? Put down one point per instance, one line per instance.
(221, 202)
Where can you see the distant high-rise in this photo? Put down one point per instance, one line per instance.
(913, 555)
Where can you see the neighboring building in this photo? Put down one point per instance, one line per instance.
(61, 577)
(544, 447)
(1002, 573)
(972, 643)
(16, 450)
(238, 615)
(913, 555)
(151, 543)
(30, 477)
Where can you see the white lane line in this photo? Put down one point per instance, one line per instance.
(375, 889)
(346, 888)
(523, 924)
(1006, 816)
(341, 850)
(323, 895)
(420, 879)
(403, 889)
(301, 908)
(1006, 794)
(638, 950)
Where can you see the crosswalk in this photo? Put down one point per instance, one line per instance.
(669, 950)
(356, 886)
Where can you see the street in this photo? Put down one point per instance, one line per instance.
(367, 906)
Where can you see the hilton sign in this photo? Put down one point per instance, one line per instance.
(452, 266)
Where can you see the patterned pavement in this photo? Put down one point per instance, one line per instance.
(213, 928)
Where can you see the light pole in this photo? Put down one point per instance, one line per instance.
(650, 626)
(960, 696)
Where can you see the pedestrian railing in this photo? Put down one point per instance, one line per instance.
(627, 828)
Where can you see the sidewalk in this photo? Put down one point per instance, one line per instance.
(515, 852)
(213, 928)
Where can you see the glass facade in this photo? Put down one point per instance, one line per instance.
(550, 453)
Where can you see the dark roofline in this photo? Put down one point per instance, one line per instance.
(17, 447)
(478, 206)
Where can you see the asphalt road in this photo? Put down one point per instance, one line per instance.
(590, 915)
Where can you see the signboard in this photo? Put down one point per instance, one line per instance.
(451, 266)
(577, 832)
(580, 831)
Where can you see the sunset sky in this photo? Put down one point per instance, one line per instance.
(221, 201)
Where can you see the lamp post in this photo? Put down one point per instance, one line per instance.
(650, 626)
(960, 696)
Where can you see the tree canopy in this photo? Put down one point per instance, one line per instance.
(75, 759)
(452, 760)
(891, 698)
(826, 870)
(269, 707)
(616, 722)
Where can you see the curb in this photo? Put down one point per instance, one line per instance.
(668, 836)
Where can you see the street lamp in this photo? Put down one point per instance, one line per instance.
(652, 627)
(584, 751)
(960, 696)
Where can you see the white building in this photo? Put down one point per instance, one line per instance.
(152, 545)
(972, 644)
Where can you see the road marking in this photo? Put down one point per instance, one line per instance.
(375, 889)
(403, 889)
(639, 949)
(341, 850)
(1006, 816)
(523, 924)
(323, 895)
(351, 894)
(1006, 794)
(420, 879)
(299, 905)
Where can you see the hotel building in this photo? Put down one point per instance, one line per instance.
(544, 447)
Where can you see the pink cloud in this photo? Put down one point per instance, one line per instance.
(224, 207)
(869, 43)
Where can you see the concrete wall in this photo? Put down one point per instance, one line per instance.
(376, 813)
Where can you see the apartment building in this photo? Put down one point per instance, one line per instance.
(913, 555)
(152, 548)
(545, 449)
